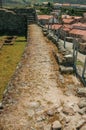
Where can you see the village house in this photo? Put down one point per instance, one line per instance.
(81, 26)
(70, 26)
(44, 4)
(77, 33)
(67, 19)
(74, 30)
(44, 19)
(57, 5)
(78, 30)
(66, 5)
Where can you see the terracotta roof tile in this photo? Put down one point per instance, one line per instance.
(77, 17)
(67, 21)
(44, 17)
(78, 32)
(56, 26)
(79, 25)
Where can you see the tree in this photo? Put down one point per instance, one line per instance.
(0, 3)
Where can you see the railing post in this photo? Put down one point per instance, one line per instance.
(84, 68)
(64, 40)
(75, 53)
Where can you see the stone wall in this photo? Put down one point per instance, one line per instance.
(11, 23)
(14, 22)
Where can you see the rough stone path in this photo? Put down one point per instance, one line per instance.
(37, 92)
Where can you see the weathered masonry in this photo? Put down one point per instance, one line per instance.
(14, 21)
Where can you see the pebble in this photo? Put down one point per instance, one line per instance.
(61, 78)
(34, 104)
(50, 113)
(41, 118)
(30, 113)
(56, 125)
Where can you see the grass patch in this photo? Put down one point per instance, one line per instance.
(79, 63)
(10, 56)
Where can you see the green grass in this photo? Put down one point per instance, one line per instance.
(10, 56)
(79, 63)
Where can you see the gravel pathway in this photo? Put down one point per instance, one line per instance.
(37, 89)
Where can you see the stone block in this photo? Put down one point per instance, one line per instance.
(66, 70)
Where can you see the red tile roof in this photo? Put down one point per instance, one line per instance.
(56, 26)
(67, 26)
(66, 4)
(79, 25)
(77, 17)
(67, 21)
(46, 17)
(78, 32)
(66, 29)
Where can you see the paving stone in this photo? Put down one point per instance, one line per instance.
(69, 58)
(66, 70)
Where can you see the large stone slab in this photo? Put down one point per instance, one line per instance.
(66, 70)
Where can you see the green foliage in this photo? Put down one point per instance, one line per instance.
(59, 1)
(71, 1)
(45, 10)
(72, 11)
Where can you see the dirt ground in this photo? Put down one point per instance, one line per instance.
(37, 88)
